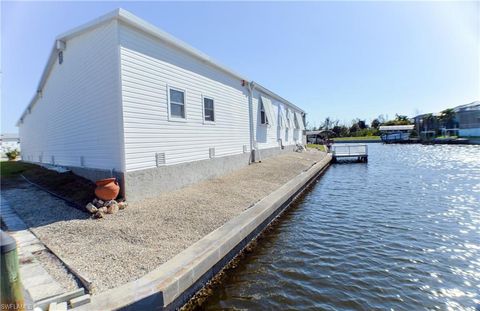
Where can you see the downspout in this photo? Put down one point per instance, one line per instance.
(251, 87)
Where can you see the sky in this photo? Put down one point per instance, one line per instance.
(342, 60)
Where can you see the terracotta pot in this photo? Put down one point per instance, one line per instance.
(107, 189)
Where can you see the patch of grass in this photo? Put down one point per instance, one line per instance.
(356, 138)
(315, 146)
(12, 169)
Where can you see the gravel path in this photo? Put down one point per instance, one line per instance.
(55, 268)
(125, 246)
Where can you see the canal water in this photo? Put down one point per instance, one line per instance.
(399, 233)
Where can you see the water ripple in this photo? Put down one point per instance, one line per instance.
(399, 233)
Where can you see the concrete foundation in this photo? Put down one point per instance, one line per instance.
(151, 182)
(95, 174)
(271, 152)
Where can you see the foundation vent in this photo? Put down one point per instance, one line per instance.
(82, 161)
(211, 152)
(160, 158)
(245, 149)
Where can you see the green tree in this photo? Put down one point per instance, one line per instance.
(375, 123)
(354, 129)
(362, 124)
(447, 117)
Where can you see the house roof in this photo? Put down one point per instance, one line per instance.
(396, 127)
(468, 107)
(9, 137)
(132, 20)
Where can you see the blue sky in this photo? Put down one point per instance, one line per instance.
(337, 59)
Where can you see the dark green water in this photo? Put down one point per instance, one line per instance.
(399, 233)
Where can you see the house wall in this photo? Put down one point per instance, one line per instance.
(267, 136)
(79, 113)
(148, 66)
(469, 132)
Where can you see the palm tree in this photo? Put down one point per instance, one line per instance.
(447, 117)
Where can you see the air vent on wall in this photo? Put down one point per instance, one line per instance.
(211, 152)
(82, 161)
(245, 149)
(40, 158)
(160, 159)
(53, 159)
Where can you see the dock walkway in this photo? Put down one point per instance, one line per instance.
(358, 151)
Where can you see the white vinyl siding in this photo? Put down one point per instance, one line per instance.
(269, 136)
(79, 113)
(147, 67)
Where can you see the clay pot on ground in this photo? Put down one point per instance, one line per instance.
(107, 189)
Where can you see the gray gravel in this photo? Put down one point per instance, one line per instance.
(125, 246)
(57, 270)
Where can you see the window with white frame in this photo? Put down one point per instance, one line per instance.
(263, 115)
(208, 109)
(176, 103)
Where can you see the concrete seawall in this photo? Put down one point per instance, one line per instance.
(172, 284)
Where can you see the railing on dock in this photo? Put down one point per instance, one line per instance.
(350, 151)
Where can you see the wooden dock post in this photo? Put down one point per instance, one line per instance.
(11, 288)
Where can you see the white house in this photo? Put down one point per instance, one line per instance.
(121, 97)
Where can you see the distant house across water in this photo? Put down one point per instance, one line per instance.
(468, 118)
(466, 122)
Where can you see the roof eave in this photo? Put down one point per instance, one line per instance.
(276, 96)
(134, 21)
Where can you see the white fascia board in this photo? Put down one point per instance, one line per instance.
(276, 96)
(53, 53)
(134, 21)
(89, 26)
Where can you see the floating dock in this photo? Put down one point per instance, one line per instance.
(358, 151)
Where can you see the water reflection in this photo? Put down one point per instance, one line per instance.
(401, 232)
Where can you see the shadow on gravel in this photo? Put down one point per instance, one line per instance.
(38, 208)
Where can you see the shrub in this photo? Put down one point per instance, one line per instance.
(12, 154)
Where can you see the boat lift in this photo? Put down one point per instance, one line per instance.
(358, 151)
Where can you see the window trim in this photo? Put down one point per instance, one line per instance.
(174, 118)
(262, 108)
(203, 110)
(268, 108)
